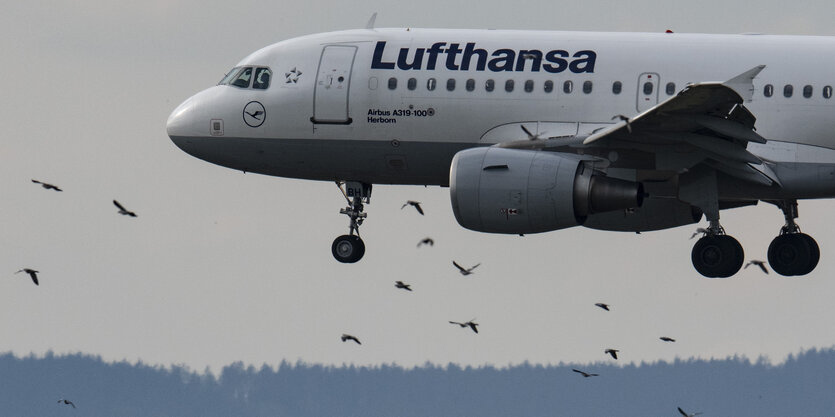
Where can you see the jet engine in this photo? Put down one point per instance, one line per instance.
(500, 190)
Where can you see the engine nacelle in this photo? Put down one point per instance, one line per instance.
(499, 190)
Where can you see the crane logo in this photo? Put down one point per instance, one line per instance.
(254, 114)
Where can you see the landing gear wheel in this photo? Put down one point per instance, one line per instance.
(793, 254)
(348, 249)
(717, 256)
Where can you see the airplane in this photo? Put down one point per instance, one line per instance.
(537, 131)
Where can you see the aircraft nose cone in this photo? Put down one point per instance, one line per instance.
(182, 121)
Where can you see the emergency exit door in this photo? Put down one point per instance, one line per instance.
(330, 103)
(648, 84)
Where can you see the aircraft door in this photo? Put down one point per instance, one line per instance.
(648, 84)
(330, 102)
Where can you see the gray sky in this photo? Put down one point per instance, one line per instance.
(221, 266)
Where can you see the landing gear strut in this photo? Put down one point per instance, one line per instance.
(717, 255)
(792, 253)
(350, 248)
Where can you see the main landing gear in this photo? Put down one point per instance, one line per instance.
(717, 255)
(792, 253)
(350, 248)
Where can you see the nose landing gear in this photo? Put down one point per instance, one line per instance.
(792, 253)
(350, 248)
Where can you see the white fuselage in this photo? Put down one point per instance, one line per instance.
(395, 105)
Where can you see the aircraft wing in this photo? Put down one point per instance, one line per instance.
(708, 121)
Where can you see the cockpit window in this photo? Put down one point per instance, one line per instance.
(229, 76)
(243, 78)
(262, 78)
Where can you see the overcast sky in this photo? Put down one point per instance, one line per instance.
(222, 266)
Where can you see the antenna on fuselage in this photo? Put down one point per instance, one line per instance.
(370, 24)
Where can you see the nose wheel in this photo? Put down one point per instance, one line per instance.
(350, 248)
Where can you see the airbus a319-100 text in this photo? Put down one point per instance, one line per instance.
(536, 131)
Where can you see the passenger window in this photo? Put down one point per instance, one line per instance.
(392, 83)
(489, 85)
(807, 91)
(671, 89)
(431, 84)
(243, 78)
(788, 90)
(567, 87)
(508, 86)
(617, 87)
(411, 84)
(528, 86)
(768, 90)
(549, 86)
(450, 84)
(827, 92)
(587, 86)
(470, 84)
(648, 87)
(262, 78)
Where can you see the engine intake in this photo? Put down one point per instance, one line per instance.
(499, 190)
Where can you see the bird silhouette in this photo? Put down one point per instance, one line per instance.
(465, 271)
(584, 374)
(758, 263)
(123, 211)
(612, 352)
(66, 402)
(32, 273)
(685, 414)
(346, 337)
(667, 339)
(471, 324)
(401, 285)
(47, 185)
(700, 230)
(426, 241)
(256, 114)
(415, 204)
(625, 119)
(603, 306)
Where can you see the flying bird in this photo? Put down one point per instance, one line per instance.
(347, 337)
(603, 306)
(401, 285)
(667, 339)
(685, 414)
(123, 211)
(584, 374)
(465, 271)
(701, 230)
(625, 119)
(47, 186)
(32, 273)
(415, 204)
(471, 324)
(612, 352)
(66, 402)
(426, 241)
(758, 263)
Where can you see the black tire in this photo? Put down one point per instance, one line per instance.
(717, 256)
(793, 254)
(816, 252)
(348, 249)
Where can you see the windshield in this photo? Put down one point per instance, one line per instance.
(229, 75)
